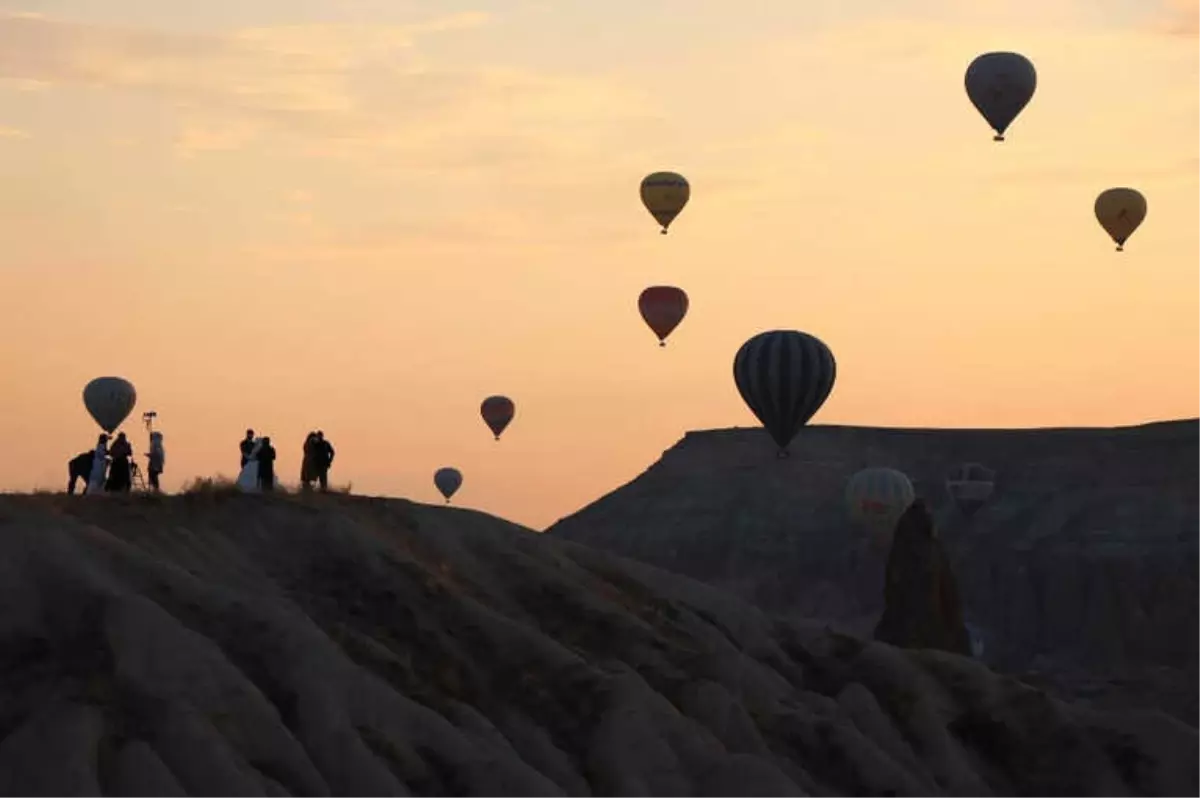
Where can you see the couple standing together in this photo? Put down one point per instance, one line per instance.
(258, 464)
(318, 457)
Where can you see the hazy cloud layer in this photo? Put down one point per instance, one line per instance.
(338, 87)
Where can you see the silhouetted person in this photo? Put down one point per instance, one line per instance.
(80, 468)
(118, 470)
(923, 608)
(266, 465)
(322, 460)
(307, 472)
(247, 446)
(99, 465)
(157, 459)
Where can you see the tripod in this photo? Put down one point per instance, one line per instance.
(136, 480)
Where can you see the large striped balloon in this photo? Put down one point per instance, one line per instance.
(784, 376)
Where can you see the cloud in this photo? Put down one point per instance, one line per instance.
(328, 90)
(1181, 18)
(12, 133)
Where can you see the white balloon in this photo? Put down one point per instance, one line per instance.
(877, 497)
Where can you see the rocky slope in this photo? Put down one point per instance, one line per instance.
(1082, 570)
(227, 644)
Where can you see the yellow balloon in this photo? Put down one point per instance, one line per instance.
(664, 194)
(1120, 211)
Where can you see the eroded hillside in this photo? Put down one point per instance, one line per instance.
(244, 645)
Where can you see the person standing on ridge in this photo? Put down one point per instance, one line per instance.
(307, 472)
(157, 458)
(266, 466)
(99, 466)
(246, 446)
(118, 472)
(322, 460)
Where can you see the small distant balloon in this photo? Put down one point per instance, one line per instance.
(663, 308)
(664, 194)
(1120, 212)
(447, 480)
(784, 376)
(1000, 85)
(497, 412)
(970, 485)
(109, 400)
(876, 498)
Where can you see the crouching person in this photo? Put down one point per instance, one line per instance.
(80, 468)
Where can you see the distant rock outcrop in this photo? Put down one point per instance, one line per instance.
(325, 645)
(1083, 562)
(921, 602)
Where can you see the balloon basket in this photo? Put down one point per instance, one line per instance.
(997, 137)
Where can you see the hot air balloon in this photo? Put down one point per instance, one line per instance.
(664, 194)
(1120, 211)
(876, 498)
(970, 485)
(663, 307)
(497, 412)
(784, 376)
(109, 400)
(448, 481)
(1000, 85)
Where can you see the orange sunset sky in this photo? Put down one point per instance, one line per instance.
(367, 215)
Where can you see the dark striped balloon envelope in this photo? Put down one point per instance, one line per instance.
(784, 376)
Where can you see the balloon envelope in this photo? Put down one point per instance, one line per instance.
(784, 376)
(664, 194)
(970, 485)
(877, 497)
(1000, 85)
(497, 412)
(1120, 211)
(448, 481)
(662, 308)
(109, 400)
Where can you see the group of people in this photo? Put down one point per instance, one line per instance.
(111, 469)
(258, 463)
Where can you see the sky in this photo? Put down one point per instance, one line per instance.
(365, 216)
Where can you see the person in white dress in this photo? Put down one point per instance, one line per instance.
(247, 481)
(99, 467)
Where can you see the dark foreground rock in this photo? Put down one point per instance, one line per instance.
(221, 645)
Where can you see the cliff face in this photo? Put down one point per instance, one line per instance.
(247, 645)
(1084, 560)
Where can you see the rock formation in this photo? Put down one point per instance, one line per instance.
(921, 601)
(252, 645)
(1081, 570)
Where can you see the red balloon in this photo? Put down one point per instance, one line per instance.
(497, 412)
(663, 307)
